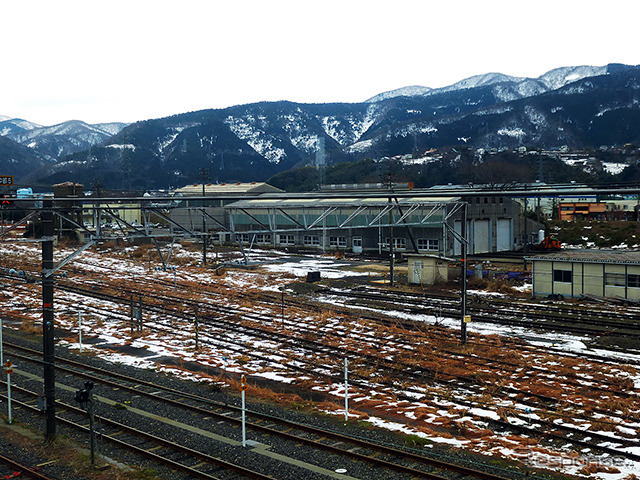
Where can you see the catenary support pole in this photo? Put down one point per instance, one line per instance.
(80, 330)
(48, 320)
(391, 252)
(9, 418)
(463, 261)
(346, 392)
(204, 172)
(243, 386)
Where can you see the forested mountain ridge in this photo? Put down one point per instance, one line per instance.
(577, 107)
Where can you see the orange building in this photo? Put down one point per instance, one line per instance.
(582, 211)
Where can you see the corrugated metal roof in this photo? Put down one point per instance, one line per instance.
(231, 188)
(591, 256)
(346, 202)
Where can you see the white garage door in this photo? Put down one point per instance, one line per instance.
(504, 236)
(481, 236)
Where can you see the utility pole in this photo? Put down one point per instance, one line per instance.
(388, 179)
(463, 261)
(391, 253)
(204, 172)
(48, 320)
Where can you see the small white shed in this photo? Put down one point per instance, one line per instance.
(429, 269)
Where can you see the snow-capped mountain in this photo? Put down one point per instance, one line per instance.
(59, 140)
(573, 106)
(519, 87)
(9, 126)
(560, 77)
(111, 128)
(413, 91)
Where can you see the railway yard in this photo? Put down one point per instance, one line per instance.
(542, 389)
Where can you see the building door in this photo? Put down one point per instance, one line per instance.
(417, 272)
(481, 236)
(504, 235)
(357, 244)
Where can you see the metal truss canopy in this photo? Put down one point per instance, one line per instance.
(283, 215)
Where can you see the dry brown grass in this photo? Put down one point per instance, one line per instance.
(597, 468)
(28, 325)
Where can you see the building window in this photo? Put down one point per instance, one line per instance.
(339, 242)
(263, 238)
(615, 279)
(242, 237)
(310, 240)
(428, 244)
(287, 239)
(398, 243)
(564, 276)
(633, 280)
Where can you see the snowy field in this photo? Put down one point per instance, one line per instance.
(274, 273)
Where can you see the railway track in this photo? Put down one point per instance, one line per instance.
(573, 435)
(153, 447)
(402, 370)
(522, 314)
(233, 318)
(405, 461)
(10, 468)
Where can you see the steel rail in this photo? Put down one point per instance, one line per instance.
(285, 423)
(147, 436)
(26, 471)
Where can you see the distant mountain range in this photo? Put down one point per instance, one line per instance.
(57, 141)
(580, 107)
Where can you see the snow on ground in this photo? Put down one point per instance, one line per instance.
(328, 269)
(614, 168)
(219, 357)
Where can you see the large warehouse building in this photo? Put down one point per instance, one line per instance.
(340, 221)
(597, 273)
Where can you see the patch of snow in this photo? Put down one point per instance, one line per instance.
(127, 146)
(362, 146)
(614, 168)
(512, 132)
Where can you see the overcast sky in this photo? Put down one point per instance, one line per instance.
(129, 60)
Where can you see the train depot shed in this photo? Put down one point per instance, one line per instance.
(596, 273)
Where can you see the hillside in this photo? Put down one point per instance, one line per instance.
(21, 162)
(576, 107)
